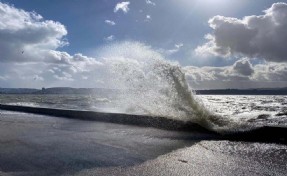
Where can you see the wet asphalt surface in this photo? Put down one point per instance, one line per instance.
(36, 144)
(44, 145)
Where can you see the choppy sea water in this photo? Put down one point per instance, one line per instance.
(256, 109)
(268, 110)
(65, 101)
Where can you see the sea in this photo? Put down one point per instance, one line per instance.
(236, 112)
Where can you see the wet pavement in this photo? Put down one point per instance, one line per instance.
(36, 144)
(44, 145)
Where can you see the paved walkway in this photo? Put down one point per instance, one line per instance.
(43, 145)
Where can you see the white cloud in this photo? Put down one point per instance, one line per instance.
(25, 36)
(262, 36)
(123, 6)
(228, 73)
(178, 45)
(5, 77)
(273, 72)
(242, 74)
(85, 77)
(28, 47)
(176, 49)
(109, 22)
(147, 18)
(64, 77)
(110, 38)
(38, 78)
(149, 2)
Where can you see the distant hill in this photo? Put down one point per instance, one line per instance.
(17, 91)
(69, 90)
(56, 90)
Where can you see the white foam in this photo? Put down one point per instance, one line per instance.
(155, 86)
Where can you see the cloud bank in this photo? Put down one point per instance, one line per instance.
(262, 36)
(242, 74)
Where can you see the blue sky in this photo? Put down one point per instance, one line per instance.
(172, 22)
(173, 28)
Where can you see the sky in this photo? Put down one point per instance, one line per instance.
(218, 43)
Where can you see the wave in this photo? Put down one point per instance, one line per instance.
(158, 87)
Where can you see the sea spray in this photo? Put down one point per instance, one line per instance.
(155, 86)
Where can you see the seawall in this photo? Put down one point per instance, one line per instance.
(263, 134)
(120, 118)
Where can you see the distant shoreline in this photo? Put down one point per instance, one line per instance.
(69, 90)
